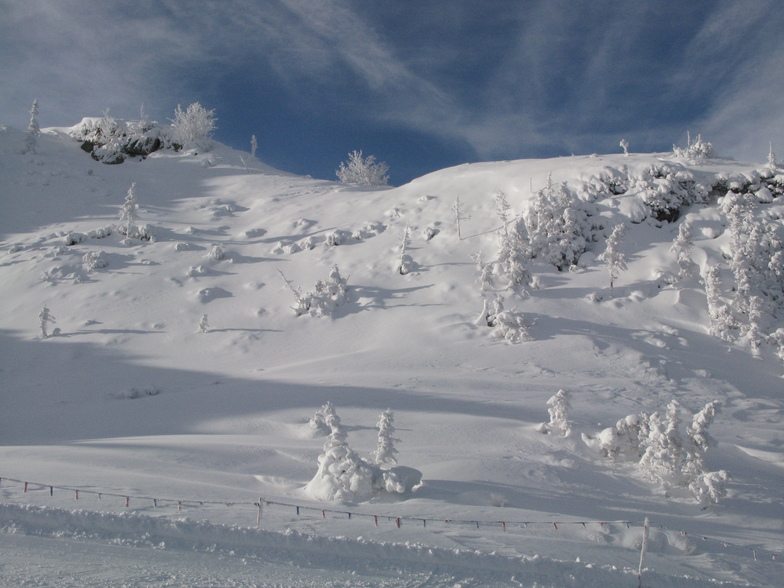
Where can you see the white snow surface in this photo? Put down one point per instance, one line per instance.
(133, 407)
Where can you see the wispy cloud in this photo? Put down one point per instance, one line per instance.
(739, 57)
(506, 79)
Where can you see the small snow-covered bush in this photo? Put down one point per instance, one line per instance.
(137, 392)
(363, 171)
(509, 325)
(666, 190)
(74, 238)
(216, 252)
(328, 295)
(695, 151)
(95, 260)
(559, 415)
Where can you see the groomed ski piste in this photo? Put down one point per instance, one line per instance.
(168, 428)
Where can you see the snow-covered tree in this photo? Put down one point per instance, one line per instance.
(556, 227)
(772, 157)
(33, 130)
(45, 317)
(485, 270)
(318, 422)
(625, 147)
(253, 145)
(514, 254)
(664, 453)
(193, 126)
(457, 209)
(502, 208)
(344, 476)
(681, 247)
(129, 214)
(559, 415)
(696, 151)
(511, 326)
(612, 256)
(95, 260)
(385, 451)
(363, 171)
(722, 321)
(663, 457)
(204, 325)
(328, 295)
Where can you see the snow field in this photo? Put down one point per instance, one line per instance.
(129, 398)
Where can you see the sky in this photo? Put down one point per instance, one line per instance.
(421, 85)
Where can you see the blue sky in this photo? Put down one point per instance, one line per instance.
(420, 84)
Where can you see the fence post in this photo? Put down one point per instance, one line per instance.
(643, 548)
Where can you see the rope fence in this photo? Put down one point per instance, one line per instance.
(258, 506)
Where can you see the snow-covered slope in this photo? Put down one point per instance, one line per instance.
(128, 399)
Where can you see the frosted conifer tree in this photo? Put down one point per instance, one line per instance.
(555, 226)
(385, 452)
(253, 145)
(129, 214)
(514, 254)
(558, 411)
(721, 319)
(697, 430)
(33, 130)
(342, 474)
(681, 247)
(45, 318)
(771, 158)
(363, 171)
(625, 146)
(485, 279)
(613, 257)
(502, 208)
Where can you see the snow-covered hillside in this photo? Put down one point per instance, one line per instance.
(180, 382)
